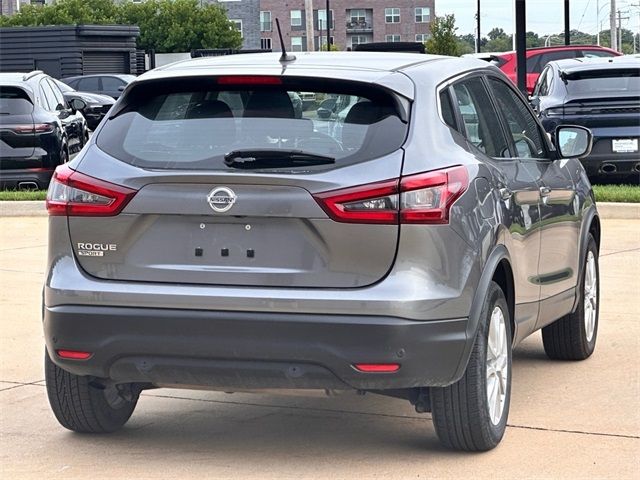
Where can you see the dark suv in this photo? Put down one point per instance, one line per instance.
(38, 129)
(208, 237)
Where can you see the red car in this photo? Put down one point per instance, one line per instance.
(537, 59)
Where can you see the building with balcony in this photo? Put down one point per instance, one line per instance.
(352, 22)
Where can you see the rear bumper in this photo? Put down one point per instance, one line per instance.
(23, 178)
(245, 350)
(612, 165)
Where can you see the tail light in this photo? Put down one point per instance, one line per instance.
(554, 112)
(422, 198)
(30, 128)
(76, 194)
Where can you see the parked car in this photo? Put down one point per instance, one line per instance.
(206, 242)
(308, 99)
(97, 105)
(537, 59)
(39, 129)
(604, 95)
(112, 84)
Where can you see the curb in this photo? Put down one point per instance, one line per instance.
(607, 210)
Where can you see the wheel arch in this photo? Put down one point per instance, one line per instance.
(590, 226)
(497, 268)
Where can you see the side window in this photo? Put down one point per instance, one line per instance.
(447, 109)
(558, 55)
(481, 123)
(49, 97)
(57, 93)
(542, 87)
(91, 84)
(111, 84)
(521, 124)
(594, 53)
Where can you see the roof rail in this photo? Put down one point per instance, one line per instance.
(29, 75)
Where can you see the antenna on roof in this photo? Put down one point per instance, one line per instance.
(285, 57)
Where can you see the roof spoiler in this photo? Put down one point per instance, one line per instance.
(32, 74)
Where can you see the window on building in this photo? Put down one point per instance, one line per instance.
(320, 42)
(322, 19)
(359, 39)
(357, 16)
(265, 21)
(392, 15)
(265, 43)
(296, 44)
(422, 37)
(423, 15)
(296, 18)
(237, 24)
(392, 38)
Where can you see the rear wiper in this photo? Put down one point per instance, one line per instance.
(274, 158)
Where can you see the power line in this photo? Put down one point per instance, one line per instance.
(583, 14)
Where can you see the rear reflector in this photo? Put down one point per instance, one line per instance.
(377, 367)
(249, 80)
(73, 354)
(76, 194)
(422, 198)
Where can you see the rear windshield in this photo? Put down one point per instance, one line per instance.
(192, 124)
(611, 80)
(14, 101)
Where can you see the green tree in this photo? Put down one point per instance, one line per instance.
(165, 25)
(443, 40)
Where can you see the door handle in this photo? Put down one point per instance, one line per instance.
(545, 191)
(505, 193)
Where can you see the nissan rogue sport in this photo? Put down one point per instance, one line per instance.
(208, 238)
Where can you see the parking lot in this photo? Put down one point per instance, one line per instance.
(567, 420)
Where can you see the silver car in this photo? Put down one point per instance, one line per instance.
(208, 238)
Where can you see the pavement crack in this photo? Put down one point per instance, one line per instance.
(387, 415)
(620, 251)
(21, 248)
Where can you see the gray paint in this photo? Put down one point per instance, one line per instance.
(440, 272)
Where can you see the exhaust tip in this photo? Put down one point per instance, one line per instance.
(27, 186)
(608, 168)
(636, 167)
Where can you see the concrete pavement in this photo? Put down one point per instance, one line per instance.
(568, 420)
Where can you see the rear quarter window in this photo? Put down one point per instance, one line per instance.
(14, 101)
(193, 124)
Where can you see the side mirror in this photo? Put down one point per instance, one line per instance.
(77, 104)
(573, 141)
(62, 111)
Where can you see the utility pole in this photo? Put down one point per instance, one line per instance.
(620, 18)
(308, 9)
(328, 27)
(521, 45)
(478, 28)
(567, 32)
(612, 25)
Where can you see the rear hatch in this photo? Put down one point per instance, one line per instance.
(603, 98)
(225, 171)
(17, 136)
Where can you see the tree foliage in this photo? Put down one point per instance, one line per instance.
(165, 25)
(443, 40)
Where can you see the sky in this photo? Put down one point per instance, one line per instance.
(543, 16)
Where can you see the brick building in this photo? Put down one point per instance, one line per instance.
(352, 22)
(245, 14)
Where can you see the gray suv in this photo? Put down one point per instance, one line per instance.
(209, 237)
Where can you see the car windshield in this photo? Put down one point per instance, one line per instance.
(193, 124)
(603, 81)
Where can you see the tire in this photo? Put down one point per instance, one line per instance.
(461, 412)
(573, 337)
(82, 406)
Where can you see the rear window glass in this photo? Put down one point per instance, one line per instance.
(192, 124)
(610, 80)
(14, 101)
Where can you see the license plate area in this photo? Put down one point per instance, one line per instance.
(624, 145)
